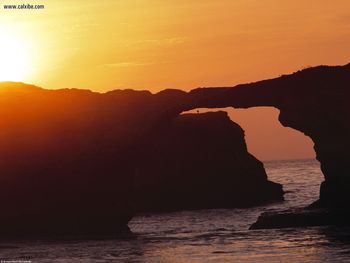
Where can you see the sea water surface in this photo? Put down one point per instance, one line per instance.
(219, 235)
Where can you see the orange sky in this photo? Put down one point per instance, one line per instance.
(158, 44)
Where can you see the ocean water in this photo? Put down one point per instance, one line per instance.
(219, 235)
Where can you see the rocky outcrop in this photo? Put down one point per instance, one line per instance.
(70, 160)
(198, 161)
(313, 101)
(68, 157)
(60, 172)
(302, 218)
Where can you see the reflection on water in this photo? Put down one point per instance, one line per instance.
(208, 235)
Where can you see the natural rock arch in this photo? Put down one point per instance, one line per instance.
(313, 101)
(42, 126)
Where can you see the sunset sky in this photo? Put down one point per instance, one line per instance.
(157, 44)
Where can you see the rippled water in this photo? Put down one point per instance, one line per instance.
(208, 235)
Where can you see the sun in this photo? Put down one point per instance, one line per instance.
(14, 57)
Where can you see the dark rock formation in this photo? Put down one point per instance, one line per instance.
(302, 218)
(68, 156)
(313, 101)
(70, 159)
(198, 161)
(60, 170)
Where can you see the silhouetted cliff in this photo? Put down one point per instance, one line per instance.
(70, 159)
(199, 161)
(313, 101)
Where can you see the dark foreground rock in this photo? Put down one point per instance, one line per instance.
(69, 158)
(76, 162)
(198, 161)
(302, 218)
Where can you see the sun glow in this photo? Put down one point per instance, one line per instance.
(14, 57)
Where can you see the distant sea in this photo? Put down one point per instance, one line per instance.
(219, 235)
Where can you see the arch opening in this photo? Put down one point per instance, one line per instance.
(288, 155)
